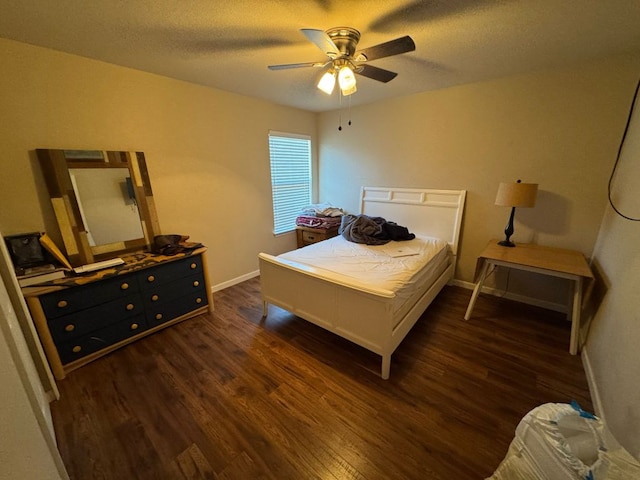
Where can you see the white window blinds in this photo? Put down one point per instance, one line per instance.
(290, 178)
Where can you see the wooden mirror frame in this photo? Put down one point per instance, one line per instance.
(55, 166)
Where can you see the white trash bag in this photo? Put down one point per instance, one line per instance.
(558, 441)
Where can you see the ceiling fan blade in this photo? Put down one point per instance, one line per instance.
(379, 74)
(322, 41)
(393, 47)
(296, 65)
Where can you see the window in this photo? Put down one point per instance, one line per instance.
(290, 178)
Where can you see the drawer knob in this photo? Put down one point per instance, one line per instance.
(134, 326)
(311, 237)
(151, 278)
(196, 283)
(62, 303)
(193, 266)
(124, 286)
(77, 349)
(198, 300)
(70, 328)
(158, 316)
(154, 298)
(130, 306)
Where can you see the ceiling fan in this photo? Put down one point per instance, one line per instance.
(339, 44)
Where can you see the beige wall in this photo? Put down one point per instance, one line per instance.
(207, 150)
(614, 336)
(559, 129)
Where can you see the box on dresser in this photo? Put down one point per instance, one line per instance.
(42, 277)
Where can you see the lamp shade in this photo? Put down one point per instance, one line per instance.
(347, 80)
(327, 82)
(517, 194)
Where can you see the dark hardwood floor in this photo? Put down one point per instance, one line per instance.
(228, 396)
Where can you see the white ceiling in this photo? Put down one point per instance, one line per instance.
(227, 44)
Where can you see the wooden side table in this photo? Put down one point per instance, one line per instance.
(556, 262)
(308, 235)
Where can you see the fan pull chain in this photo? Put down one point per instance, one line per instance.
(340, 110)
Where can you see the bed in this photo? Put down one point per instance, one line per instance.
(371, 310)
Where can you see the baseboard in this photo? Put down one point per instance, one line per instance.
(556, 307)
(235, 281)
(593, 386)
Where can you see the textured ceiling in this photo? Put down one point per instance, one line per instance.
(228, 44)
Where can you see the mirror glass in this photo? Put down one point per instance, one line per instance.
(102, 201)
(107, 204)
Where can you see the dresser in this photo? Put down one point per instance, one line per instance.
(82, 318)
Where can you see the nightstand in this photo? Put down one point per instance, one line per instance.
(307, 235)
(556, 262)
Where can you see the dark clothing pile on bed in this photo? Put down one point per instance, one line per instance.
(372, 230)
(322, 215)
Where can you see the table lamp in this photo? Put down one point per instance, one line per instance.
(514, 195)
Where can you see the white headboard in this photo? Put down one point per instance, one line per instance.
(434, 213)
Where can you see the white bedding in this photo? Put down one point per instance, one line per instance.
(377, 266)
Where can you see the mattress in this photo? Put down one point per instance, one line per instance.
(405, 268)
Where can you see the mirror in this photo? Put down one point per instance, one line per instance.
(107, 204)
(102, 201)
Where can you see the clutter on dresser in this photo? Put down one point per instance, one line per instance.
(92, 267)
(317, 222)
(26, 251)
(43, 274)
(320, 215)
(36, 258)
(173, 244)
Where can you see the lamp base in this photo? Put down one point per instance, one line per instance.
(507, 243)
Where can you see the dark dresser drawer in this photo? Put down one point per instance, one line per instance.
(72, 300)
(166, 292)
(169, 272)
(80, 323)
(163, 312)
(99, 339)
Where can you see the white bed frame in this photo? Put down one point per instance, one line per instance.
(354, 310)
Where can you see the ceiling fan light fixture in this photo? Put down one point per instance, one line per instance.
(327, 82)
(347, 81)
(348, 91)
(339, 45)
